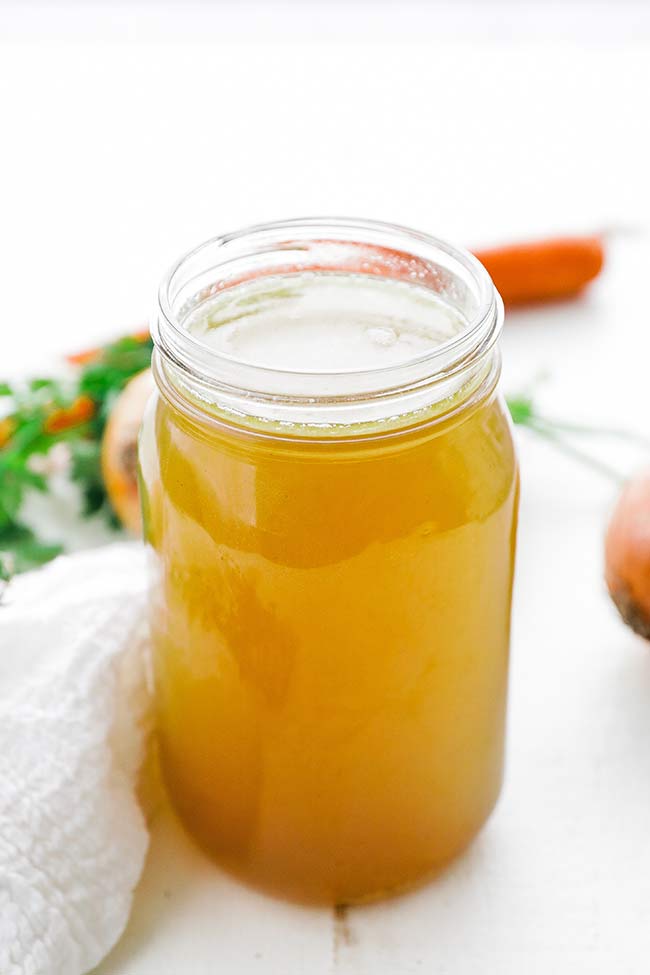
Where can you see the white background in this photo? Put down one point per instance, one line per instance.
(130, 132)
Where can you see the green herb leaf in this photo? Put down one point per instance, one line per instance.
(48, 384)
(25, 549)
(521, 408)
(86, 471)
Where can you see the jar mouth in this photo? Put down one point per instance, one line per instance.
(325, 244)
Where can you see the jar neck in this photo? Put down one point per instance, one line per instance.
(434, 383)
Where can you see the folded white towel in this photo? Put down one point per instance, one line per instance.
(73, 717)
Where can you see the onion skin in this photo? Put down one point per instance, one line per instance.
(627, 554)
(120, 448)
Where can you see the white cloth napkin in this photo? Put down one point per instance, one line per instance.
(73, 718)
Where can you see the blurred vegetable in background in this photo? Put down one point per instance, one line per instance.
(44, 413)
(627, 554)
(120, 450)
(543, 270)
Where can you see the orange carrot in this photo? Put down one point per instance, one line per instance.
(543, 270)
(7, 427)
(142, 335)
(79, 412)
(81, 358)
(90, 355)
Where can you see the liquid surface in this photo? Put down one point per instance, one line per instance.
(325, 322)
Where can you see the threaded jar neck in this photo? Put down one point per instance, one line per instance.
(328, 397)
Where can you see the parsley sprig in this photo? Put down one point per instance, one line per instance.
(39, 415)
(563, 435)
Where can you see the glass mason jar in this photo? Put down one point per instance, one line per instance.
(331, 567)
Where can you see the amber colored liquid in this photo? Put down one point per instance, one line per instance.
(330, 629)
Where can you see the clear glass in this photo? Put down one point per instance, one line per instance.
(331, 574)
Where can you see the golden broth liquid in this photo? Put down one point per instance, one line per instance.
(330, 619)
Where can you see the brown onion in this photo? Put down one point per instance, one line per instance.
(627, 554)
(120, 450)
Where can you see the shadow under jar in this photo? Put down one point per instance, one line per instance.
(329, 490)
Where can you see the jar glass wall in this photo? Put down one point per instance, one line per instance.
(331, 561)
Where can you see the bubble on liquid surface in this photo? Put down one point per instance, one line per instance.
(382, 336)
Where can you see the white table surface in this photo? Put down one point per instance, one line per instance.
(129, 133)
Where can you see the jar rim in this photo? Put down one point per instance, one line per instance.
(211, 368)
